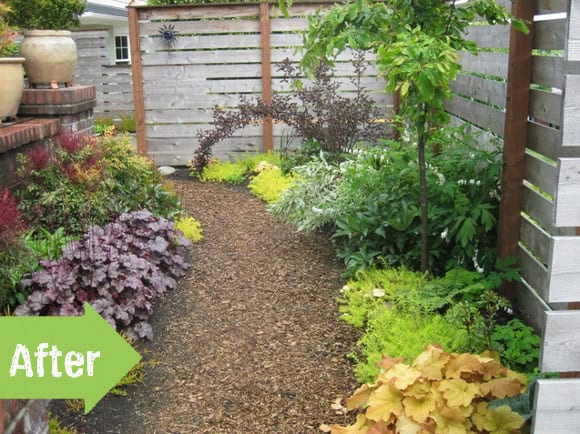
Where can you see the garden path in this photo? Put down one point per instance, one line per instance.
(251, 341)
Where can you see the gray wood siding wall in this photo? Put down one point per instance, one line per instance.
(113, 82)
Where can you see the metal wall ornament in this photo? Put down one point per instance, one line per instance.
(168, 34)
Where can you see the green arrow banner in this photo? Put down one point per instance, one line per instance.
(62, 357)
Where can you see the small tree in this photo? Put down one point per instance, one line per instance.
(417, 44)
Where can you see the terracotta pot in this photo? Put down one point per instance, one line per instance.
(51, 56)
(11, 85)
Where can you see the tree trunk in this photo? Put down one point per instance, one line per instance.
(421, 141)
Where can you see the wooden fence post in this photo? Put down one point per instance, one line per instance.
(137, 74)
(265, 30)
(515, 133)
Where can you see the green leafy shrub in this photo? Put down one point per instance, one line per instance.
(397, 333)
(270, 184)
(47, 245)
(103, 124)
(190, 228)
(311, 202)
(378, 213)
(372, 288)
(127, 124)
(252, 161)
(518, 345)
(46, 14)
(89, 181)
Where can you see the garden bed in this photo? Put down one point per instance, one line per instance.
(251, 341)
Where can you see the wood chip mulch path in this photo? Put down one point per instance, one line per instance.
(251, 341)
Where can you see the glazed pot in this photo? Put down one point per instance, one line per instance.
(51, 56)
(11, 85)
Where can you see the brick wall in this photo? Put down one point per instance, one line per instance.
(43, 113)
(24, 417)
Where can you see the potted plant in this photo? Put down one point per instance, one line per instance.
(12, 83)
(48, 47)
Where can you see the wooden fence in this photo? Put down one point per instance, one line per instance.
(113, 82)
(525, 93)
(220, 53)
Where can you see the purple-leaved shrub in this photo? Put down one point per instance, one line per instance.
(120, 269)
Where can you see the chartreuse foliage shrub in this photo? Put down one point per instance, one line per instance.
(373, 288)
(399, 333)
(89, 181)
(270, 184)
(437, 392)
(190, 228)
(402, 311)
(120, 269)
(235, 172)
(224, 171)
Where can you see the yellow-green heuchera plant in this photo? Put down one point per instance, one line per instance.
(438, 393)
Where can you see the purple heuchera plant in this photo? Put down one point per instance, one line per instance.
(119, 269)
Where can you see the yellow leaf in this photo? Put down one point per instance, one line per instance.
(501, 420)
(361, 426)
(516, 375)
(419, 409)
(402, 375)
(491, 368)
(449, 426)
(384, 402)
(457, 392)
(387, 362)
(431, 362)
(464, 363)
(502, 387)
(381, 428)
(360, 396)
(406, 425)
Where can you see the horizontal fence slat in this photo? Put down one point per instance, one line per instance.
(548, 70)
(188, 12)
(541, 173)
(489, 36)
(538, 208)
(533, 272)
(564, 270)
(550, 34)
(481, 115)
(531, 306)
(489, 91)
(557, 407)
(544, 140)
(573, 46)
(536, 239)
(193, 43)
(545, 107)
(288, 24)
(551, 6)
(204, 27)
(495, 64)
(571, 112)
(567, 198)
(560, 351)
